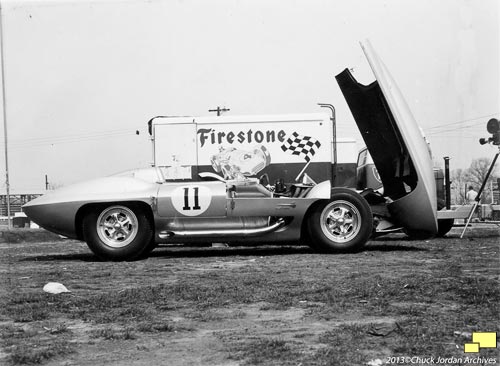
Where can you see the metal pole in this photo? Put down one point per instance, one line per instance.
(302, 171)
(447, 182)
(334, 123)
(2, 61)
(491, 190)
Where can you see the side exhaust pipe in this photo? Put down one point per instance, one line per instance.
(223, 232)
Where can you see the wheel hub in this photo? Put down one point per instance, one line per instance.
(340, 221)
(117, 226)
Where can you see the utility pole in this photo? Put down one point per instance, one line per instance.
(219, 110)
(2, 61)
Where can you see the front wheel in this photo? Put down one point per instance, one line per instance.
(117, 232)
(342, 224)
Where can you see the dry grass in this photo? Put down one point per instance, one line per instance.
(253, 306)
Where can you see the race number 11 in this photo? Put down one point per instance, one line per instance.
(187, 198)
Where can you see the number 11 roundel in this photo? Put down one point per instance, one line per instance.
(191, 200)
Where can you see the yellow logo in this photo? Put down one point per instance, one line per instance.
(481, 340)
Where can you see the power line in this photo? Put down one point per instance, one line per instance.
(462, 121)
(72, 135)
(476, 124)
(42, 141)
(454, 136)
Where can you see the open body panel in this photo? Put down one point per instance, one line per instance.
(396, 145)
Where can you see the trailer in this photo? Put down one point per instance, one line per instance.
(283, 148)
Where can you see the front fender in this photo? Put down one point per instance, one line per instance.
(113, 188)
(56, 210)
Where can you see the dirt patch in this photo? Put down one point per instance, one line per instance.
(264, 305)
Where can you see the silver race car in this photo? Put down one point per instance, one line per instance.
(260, 182)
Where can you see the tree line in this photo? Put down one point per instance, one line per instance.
(474, 176)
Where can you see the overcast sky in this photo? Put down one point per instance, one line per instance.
(81, 77)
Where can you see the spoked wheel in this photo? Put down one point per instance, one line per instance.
(342, 224)
(117, 232)
(340, 221)
(117, 226)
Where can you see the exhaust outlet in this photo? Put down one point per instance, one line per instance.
(221, 232)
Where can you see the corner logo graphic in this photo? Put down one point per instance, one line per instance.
(303, 146)
(481, 340)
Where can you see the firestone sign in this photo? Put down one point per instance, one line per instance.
(265, 140)
(214, 137)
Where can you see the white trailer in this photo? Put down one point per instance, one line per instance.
(278, 147)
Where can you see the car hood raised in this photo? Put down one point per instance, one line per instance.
(396, 145)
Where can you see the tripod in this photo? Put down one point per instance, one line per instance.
(478, 198)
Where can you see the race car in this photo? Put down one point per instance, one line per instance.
(217, 185)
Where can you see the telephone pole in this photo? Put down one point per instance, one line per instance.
(219, 110)
(7, 184)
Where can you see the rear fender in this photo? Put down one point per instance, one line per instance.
(321, 190)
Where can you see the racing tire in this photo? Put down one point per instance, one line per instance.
(117, 232)
(149, 248)
(342, 224)
(444, 225)
(418, 234)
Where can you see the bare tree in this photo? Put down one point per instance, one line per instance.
(477, 173)
(459, 179)
(473, 176)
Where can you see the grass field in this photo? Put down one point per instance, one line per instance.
(399, 301)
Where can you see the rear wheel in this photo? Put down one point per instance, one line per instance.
(117, 232)
(444, 225)
(342, 224)
(418, 234)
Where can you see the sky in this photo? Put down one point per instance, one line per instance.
(81, 77)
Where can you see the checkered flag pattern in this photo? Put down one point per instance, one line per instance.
(303, 146)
